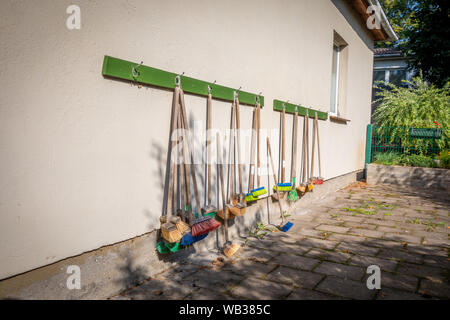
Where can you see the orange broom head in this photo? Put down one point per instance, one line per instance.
(231, 249)
(310, 187)
(237, 210)
(227, 212)
(204, 227)
(170, 232)
(301, 188)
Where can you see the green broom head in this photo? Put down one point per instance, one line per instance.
(293, 195)
(250, 197)
(209, 211)
(161, 247)
(174, 247)
(259, 192)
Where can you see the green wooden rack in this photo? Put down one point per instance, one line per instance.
(139, 73)
(290, 108)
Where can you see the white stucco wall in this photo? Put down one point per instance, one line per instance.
(82, 158)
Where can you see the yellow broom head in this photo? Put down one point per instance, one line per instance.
(170, 232)
(310, 187)
(301, 188)
(231, 249)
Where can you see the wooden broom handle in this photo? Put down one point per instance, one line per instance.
(294, 154)
(318, 145)
(219, 157)
(185, 151)
(175, 110)
(258, 156)
(275, 180)
(232, 155)
(252, 153)
(304, 152)
(190, 149)
(307, 146)
(313, 148)
(238, 126)
(207, 147)
(283, 160)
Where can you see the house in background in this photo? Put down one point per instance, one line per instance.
(390, 66)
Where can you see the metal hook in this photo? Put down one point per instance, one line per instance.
(178, 80)
(134, 71)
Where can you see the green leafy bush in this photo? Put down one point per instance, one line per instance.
(399, 159)
(444, 158)
(419, 105)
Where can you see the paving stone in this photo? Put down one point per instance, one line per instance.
(335, 256)
(400, 255)
(357, 249)
(345, 288)
(180, 272)
(435, 288)
(366, 233)
(402, 237)
(213, 279)
(363, 261)
(311, 233)
(319, 243)
(381, 222)
(261, 290)
(387, 229)
(358, 225)
(340, 270)
(248, 267)
(437, 261)
(353, 219)
(394, 294)
(346, 237)
(399, 281)
(159, 290)
(437, 242)
(306, 294)
(207, 294)
(256, 254)
(379, 243)
(423, 271)
(296, 262)
(304, 279)
(329, 228)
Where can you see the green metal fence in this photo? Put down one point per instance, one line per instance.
(403, 140)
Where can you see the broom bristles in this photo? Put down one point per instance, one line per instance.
(204, 227)
(231, 249)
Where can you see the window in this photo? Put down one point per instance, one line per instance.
(338, 76)
(335, 80)
(391, 75)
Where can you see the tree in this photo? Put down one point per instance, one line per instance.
(423, 28)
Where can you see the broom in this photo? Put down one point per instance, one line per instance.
(209, 210)
(250, 196)
(285, 225)
(261, 190)
(302, 187)
(281, 186)
(319, 179)
(203, 225)
(241, 204)
(309, 185)
(229, 248)
(169, 231)
(293, 196)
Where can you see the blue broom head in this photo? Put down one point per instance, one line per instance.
(285, 184)
(188, 239)
(285, 228)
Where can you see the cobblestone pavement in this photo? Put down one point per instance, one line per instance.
(326, 254)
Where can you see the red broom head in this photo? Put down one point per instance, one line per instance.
(204, 227)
